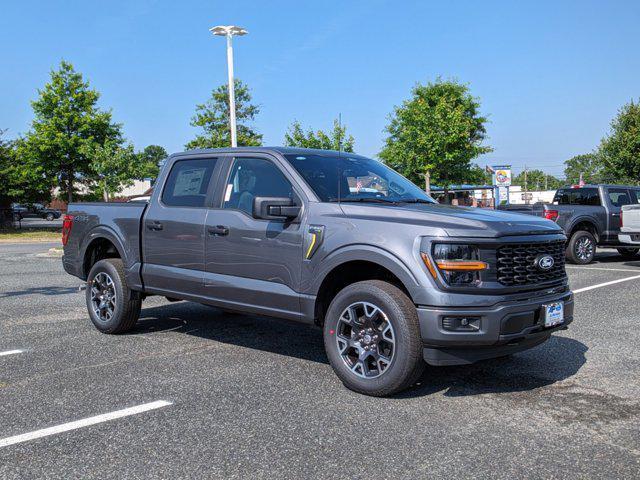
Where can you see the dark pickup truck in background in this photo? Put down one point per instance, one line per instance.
(590, 216)
(330, 238)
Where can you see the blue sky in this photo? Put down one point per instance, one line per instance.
(550, 75)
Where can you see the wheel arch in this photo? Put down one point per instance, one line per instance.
(357, 263)
(584, 223)
(100, 243)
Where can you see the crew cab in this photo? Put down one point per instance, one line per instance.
(590, 217)
(35, 210)
(333, 239)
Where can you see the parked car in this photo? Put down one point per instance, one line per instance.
(393, 278)
(590, 216)
(630, 221)
(35, 210)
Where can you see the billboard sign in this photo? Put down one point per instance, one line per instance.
(502, 176)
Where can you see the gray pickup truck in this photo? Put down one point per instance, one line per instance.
(332, 239)
(590, 216)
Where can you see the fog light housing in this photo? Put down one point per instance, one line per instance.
(461, 324)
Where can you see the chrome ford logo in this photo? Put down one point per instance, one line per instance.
(544, 262)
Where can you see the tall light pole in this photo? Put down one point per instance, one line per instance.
(229, 31)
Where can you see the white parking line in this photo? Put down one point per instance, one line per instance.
(85, 422)
(606, 284)
(10, 352)
(606, 269)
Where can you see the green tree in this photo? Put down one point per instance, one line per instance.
(537, 180)
(439, 130)
(67, 124)
(620, 150)
(588, 164)
(336, 139)
(19, 182)
(113, 167)
(213, 118)
(149, 160)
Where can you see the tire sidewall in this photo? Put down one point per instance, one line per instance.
(573, 256)
(107, 267)
(402, 329)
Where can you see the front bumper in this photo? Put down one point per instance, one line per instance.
(505, 328)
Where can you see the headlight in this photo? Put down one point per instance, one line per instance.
(459, 264)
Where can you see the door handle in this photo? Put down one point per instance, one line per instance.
(218, 231)
(615, 214)
(154, 226)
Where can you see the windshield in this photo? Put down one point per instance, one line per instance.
(353, 179)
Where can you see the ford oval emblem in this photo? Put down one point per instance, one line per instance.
(544, 262)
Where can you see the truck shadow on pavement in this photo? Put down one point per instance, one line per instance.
(50, 290)
(556, 360)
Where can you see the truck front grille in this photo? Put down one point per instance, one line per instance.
(516, 264)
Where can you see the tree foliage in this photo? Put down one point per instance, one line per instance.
(213, 118)
(336, 139)
(67, 125)
(149, 161)
(620, 150)
(537, 180)
(113, 167)
(438, 130)
(19, 182)
(589, 165)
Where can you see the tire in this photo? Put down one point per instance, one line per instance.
(49, 217)
(124, 306)
(379, 304)
(629, 253)
(581, 248)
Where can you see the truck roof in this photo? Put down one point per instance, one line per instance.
(281, 150)
(596, 185)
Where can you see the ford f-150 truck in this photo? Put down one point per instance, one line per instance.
(334, 239)
(590, 216)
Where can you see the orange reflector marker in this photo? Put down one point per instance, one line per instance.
(461, 265)
(429, 265)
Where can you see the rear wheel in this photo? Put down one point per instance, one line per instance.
(581, 248)
(50, 217)
(113, 307)
(629, 253)
(372, 338)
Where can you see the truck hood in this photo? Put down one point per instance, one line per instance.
(445, 220)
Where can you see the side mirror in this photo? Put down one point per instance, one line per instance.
(274, 208)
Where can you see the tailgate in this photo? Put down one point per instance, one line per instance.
(631, 218)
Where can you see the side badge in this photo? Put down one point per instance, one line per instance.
(314, 238)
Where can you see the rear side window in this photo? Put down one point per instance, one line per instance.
(188, 182)
(620, 197)
(635, 196)
(577, 196)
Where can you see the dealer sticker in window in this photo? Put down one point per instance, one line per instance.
(553, 314)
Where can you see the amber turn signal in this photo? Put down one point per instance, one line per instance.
(461, 265)
(428, 264)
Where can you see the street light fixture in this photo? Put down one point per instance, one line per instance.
(229, 31)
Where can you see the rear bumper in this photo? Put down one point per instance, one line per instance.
(504, 328)
(630, 237)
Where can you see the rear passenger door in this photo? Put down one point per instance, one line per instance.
(173, 228)
(253, 264)
(618, 197)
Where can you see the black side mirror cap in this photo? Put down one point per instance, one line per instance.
(274, 208)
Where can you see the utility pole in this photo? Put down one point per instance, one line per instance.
(526, 197)
(427, 182)
(229, 31)
(546, 181)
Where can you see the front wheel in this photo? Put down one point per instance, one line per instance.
(629, 253)
(372, 338)
(581, 248)
(113, 307)
(49, 217)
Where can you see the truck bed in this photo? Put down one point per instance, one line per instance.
(119, 222)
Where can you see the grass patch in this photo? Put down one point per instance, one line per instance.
(31, 235)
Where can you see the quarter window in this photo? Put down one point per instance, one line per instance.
(254, 177)
(188, 182)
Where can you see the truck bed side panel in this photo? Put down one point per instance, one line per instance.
(118, 223)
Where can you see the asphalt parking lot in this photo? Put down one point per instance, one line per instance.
(255, 397)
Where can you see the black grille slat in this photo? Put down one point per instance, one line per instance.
(515, 263)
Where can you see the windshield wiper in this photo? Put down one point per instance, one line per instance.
(364, 199)
(416, 200)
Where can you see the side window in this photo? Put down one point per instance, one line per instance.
(254, 177)
(577, 196)
(188, 182)
(620, 197)
(635, 195)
